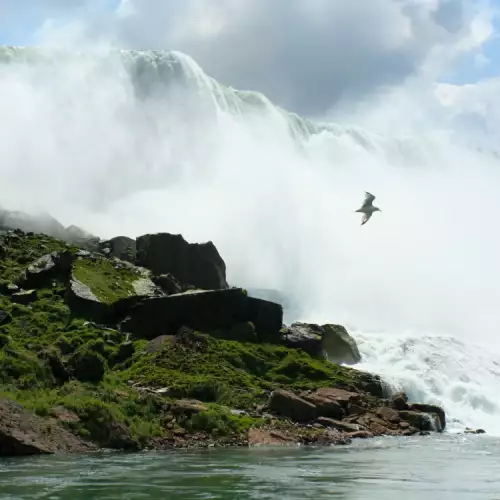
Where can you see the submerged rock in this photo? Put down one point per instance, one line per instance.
(197, 264)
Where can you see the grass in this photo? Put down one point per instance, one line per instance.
(109, 281)
(50, 359)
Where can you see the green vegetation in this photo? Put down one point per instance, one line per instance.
(109, 281)
(53, 362)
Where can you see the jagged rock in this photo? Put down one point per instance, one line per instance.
(200, 310)
(53, 266)
(399, 401)
(87, 366)
(84, 303)
(339, 346)
(168, 284)
(426, 408)
(24, 433)
(290, 405)
(196, 264)
(25, 297)
(319, 340)
(121, 247)
(326, 407)
(308, 337)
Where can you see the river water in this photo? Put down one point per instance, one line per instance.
(443, 467)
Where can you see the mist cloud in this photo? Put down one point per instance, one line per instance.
(303, 54)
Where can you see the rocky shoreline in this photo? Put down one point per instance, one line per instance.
(142, 344)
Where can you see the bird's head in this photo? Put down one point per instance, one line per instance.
(376, 209)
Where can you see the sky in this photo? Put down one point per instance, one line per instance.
(314, 57)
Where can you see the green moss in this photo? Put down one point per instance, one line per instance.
(20, 251)
(107, 280)
(42, 345)
(219, 421)
(235, 374)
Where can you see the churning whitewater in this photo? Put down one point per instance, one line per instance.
(128, 142)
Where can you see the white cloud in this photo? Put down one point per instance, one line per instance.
(304, 54)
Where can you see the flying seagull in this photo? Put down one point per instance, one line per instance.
(367, 208)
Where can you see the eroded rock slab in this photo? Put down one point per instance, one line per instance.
(24, 433)
(201, 310)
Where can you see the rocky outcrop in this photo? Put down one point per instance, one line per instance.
(84, 303)
(197, 264)
(339, 346)
(288, 404)
(202, 310)
(51, 267)
(332, 341)
(353, 412)
(121, 247)
(24, 433)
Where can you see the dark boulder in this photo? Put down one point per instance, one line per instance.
(201, 310)
(5, 318)
(307, 337)
(50, 267)
(419, 420)
(168, 284)
(58, 368)
(121, 247)
(125, 351)
(339, 346)
(331, 341)
(25, 297)
(197, 264)
(87, 366)
(426, 408)
(267, 318)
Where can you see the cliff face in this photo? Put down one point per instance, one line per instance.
(97, 351)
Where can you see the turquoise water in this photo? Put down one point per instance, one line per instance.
(445, 467)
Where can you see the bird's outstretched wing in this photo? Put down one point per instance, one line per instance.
(368, 199)
(365, 219)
